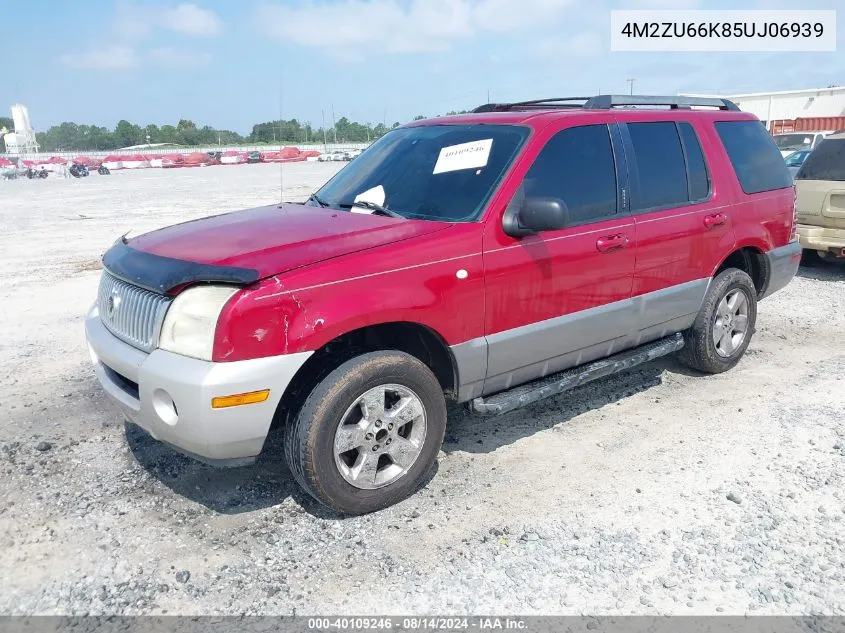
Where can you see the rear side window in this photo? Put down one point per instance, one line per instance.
(660, 165)
(756, 160)
(577, 166)
(699, 178)
(826, 162)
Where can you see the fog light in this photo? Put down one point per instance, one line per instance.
(235, 400)
(164, 407)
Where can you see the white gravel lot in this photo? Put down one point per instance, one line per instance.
(612, 499)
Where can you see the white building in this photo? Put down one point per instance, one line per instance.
(776, 108)
(22, 139)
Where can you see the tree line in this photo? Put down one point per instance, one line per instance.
(74, 136)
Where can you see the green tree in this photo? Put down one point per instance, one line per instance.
(153, 132)
(5, 124)
(187, 132)
(168, 134)
(126, 134)
(71, 136)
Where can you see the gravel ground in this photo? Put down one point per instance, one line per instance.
(652, 492)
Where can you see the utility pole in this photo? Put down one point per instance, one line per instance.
(334, 126)
(323, 114)
(631, 81)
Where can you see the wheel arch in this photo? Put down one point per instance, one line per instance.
(752, 260)
(413, 338)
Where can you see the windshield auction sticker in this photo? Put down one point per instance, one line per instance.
(470, 155)
(723, 30)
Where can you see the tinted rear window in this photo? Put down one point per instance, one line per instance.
(826, 162)
(755, 158)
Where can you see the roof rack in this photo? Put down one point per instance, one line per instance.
(606, 102)
(535, 104)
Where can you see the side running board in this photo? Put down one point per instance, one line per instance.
(532, 392)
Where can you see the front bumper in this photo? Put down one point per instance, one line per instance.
(169, 395)
(783, 264)
(820, 238)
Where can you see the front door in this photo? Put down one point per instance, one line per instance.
(560, 298)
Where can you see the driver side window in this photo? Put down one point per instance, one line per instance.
(577, 167)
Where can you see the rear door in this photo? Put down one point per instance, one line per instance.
(560, 298)
(683, 223)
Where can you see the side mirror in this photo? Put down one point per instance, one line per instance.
(536, 214)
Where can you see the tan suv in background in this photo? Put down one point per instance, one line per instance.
(820, 188)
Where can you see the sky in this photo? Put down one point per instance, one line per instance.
(232, 64)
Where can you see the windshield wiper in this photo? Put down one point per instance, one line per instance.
(318, 200)
(374, 207)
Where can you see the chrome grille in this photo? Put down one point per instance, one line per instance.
(132, 314)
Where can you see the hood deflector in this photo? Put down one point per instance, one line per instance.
(163, 274)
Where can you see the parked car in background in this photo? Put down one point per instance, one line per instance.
(794, 141)
(820, 199)
(253, 157)
(795, 160)
(494, 259)
(336, 155)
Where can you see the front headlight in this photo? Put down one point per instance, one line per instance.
(190, 322)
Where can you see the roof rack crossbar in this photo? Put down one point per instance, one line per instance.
(606, 102)
(544, 101)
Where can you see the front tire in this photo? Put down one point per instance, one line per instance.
(369, 432)
(724, 325)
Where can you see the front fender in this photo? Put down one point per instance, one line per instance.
(272, 319)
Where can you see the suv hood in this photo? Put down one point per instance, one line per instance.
(270, 240)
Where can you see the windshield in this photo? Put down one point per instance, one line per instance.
(432, 172)
(826, 162)
(793, 141)
(795, 159)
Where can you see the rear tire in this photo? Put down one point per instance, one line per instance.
(724, 325)
(366, 466)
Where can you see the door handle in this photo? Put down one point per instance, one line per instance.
(716, 219)
(611, 242)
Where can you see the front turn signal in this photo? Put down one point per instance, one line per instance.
(236, 400)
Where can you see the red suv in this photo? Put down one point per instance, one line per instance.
(492, 258)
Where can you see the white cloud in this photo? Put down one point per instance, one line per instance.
(192, 20)
(135, 22)
(391, 26)
(507, 16)
(585, 44)
(131, 22)
(107, 58)
(179, 58)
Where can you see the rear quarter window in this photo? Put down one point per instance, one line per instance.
(826, 162)
(754, 155)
